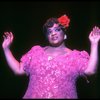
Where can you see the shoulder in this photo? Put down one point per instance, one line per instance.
(37, 47)
(34, 48)
(77, 52)
(81, 53)
(68, 50)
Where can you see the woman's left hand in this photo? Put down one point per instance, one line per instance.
(94, 35)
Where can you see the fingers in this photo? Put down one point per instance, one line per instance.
(91, 34)
(96, 27)
(8, 35)
(11, 36)
(96, 31)
(4, 37)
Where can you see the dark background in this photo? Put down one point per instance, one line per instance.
(26, 18)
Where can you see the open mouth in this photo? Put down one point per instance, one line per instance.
(54, 38)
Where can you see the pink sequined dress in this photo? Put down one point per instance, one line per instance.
(53, 77)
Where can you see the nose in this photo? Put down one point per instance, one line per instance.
(53, 33)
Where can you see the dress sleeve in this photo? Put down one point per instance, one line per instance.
(26, 59)
(82, 61)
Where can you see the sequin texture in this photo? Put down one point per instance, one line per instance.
(53, 77)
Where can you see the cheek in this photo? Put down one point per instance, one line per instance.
(61, 35)
(48, 37)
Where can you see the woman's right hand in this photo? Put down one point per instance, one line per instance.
(8, 39)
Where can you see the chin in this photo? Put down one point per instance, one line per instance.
(55, 44)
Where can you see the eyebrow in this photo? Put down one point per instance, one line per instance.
(54, 28)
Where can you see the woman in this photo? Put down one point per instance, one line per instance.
(54, 69)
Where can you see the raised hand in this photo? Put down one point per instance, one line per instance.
(94, 35)
(8, 39)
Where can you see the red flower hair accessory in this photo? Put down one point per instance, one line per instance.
(64, 21)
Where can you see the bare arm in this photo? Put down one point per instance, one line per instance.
(94, 38)
(16, 66)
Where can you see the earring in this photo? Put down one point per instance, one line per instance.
(65, 37)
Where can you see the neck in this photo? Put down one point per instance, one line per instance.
(58, 47)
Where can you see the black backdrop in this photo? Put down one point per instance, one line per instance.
(26, 18)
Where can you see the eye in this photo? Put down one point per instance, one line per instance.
(49, 31)
(58, 29)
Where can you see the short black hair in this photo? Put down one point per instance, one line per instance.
(50, 22)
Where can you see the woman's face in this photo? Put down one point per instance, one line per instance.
(55, 35)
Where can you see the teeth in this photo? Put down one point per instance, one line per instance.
(54, 38)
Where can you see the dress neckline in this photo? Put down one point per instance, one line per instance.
(50, 57)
